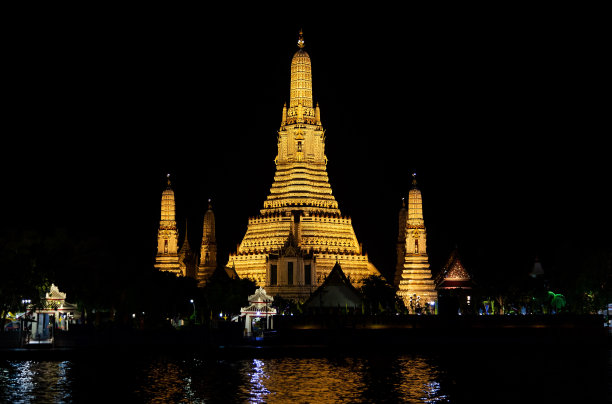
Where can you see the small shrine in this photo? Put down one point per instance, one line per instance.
(55, 314)
(258, 314)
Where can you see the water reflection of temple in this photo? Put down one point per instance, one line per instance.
(166, 382)
(363, 379)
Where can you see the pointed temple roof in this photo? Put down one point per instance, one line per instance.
(185, 248)
(291, 247)
(336, 291)
(259, 303)
(208, 228)
(337, 277)
(401, 237)
(453, 275)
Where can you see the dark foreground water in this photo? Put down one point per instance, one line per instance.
(490, 375)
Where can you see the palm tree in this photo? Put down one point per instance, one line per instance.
(558, 301)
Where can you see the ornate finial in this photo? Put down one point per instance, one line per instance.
(209, 204)
(301, 40)
(414, 181)
(168, 176)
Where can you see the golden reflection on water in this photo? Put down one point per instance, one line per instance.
(419, 379)
(166, 382)
(409, 378)
(347, 380)
(171, 380)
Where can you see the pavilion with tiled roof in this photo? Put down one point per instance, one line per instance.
(453, 275)
(455, 287)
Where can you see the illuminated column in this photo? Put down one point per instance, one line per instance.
(301, 78)
(187, 258)
(401, 244)
(416, 286)
(416, 236)
(167, 258)
(208, 248)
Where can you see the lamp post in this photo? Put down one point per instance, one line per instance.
(191, 301)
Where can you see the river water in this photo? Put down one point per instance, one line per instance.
(490, 375)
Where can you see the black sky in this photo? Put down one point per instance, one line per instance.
(500, 112)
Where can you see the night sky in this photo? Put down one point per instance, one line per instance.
(500, 113)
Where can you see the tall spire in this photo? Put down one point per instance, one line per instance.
(301, 78)
(185, 245)
(186, 257)
(208, 229)
(413, 278)
(208, 248)
(415, 205)
(167, 258)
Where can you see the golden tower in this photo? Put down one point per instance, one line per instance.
(208, 248)
(167, 258)
(187, 258)
(416, 286)
(300, 233)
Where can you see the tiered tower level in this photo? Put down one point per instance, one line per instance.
(413, 276)
(300, 204)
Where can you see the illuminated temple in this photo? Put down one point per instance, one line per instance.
(413, 278)
(300, 233)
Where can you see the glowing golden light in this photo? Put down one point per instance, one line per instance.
(167, 257)
(293, 244)
(413, 277)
